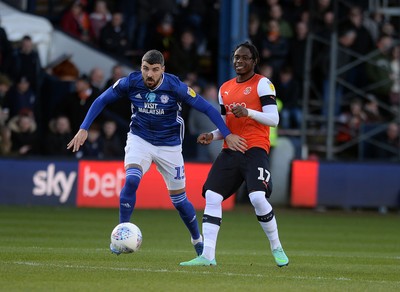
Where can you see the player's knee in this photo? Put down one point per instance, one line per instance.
(258, 200)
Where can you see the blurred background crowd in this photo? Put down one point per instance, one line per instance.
(41, 108)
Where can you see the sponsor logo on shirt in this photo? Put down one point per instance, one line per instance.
(229, 107)
(191, 92)
(151, 97)
(271, 86)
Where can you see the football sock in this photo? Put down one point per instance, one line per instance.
(127, 197)
(266, 217)
(211, 223)
(187, 213)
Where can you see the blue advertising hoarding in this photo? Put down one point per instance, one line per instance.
(30, 182)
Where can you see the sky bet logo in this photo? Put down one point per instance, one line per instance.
(51, 183)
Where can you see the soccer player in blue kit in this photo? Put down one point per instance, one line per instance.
(156, 135)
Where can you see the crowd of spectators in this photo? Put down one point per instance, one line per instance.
(47, 106)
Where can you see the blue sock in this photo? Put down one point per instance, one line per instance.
(127, 197)
(187, 213)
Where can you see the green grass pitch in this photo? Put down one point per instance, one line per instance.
(66, 249)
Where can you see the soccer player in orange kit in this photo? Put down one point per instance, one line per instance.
(249, 108)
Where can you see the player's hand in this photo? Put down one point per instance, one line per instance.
(236, 143)
(240, 111)
(205, 138)
(78, 140)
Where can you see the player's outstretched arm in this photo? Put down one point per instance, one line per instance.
(78, 140)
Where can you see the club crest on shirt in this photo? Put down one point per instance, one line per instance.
(247, 90)
(191, 92)
(151, 97)
(164, 98)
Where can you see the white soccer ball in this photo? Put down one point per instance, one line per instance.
(126, 237)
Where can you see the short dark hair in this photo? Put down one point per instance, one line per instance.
(254, 52)
(153, 57)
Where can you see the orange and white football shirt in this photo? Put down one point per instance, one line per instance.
(247, 94)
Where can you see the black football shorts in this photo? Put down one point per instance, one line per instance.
(231, 168)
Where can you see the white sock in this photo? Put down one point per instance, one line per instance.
(210, 231)
(263, 207)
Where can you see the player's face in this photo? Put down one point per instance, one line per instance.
(243, 62)
(152, 74)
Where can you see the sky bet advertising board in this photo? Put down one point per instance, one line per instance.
(30, 182)
(91, 184)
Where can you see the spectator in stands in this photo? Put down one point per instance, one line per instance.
(117, 72)
(5, 140)
(96, 77)
(391, 139)
(290, 95)
(267, 70)
(184, 57)
(372, 110)
(114, 37)
(295, 10)
(346, 39)
(24, 135)
(373, 21)
(362, 45)
(26, 62)
(350, 123)
(394, 95)
(163, 36)
(275, 48)
(388, 29)
(76, 104)
(76, 22)
(120, 110)
(192, 14)
(58, 136)
(297, 51)
(99, 17)
(198, 123)
(318, 14)
(255, 31)
(59, 80)
(21, 96)
(129, 9)
(5, 52)
(113, 147)
(285, 28)
(143, 23)
(5, 85)
(379, 70)
(93, 147)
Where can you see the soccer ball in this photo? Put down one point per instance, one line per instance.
(126, 237)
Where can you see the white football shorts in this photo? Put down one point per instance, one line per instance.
(168, 159)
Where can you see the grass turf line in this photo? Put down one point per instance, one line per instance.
(66, 249)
